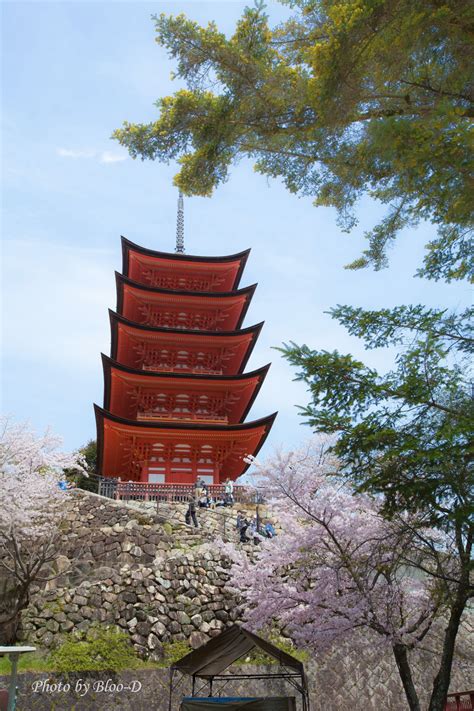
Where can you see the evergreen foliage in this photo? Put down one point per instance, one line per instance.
(344, 99)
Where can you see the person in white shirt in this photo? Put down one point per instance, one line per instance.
(229, 491)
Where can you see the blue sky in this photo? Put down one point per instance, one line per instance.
(72, 72)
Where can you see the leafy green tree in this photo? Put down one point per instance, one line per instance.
(343, 99)
(86, 480)
(406, 436)
(346, 99)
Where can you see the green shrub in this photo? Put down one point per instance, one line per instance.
(258, 656)
(99, 649)
(144, 521)
(173, 651)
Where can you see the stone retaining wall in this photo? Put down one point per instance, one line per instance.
(161, 581)
(158, 580)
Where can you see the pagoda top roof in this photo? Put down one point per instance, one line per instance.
(182, 259)
(128, 244)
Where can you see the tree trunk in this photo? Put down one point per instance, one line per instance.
(401, 657)
(9, 629)
(442, 679)
(13, 599)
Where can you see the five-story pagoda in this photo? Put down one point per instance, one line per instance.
(175, 395)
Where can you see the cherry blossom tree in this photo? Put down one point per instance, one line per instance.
(32, 507)
(340, 569)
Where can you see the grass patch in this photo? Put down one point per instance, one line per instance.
(38, 662)
(30, 662)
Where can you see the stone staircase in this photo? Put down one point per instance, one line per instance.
(220, 521)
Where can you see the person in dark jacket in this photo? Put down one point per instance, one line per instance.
(241, 526)
(191, 512)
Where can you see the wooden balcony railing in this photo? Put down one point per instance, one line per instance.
(143, 491)
(183, 417)
(460, 701)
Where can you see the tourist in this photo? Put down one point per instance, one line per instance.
(191, 512)
(240, 519)
(203, 501)
(242, 526)
(64, 484)
(229, 492)
(269, 530)
(205, 498)
(197, 490)
(254, 532)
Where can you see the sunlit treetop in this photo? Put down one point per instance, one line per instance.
(344, 99)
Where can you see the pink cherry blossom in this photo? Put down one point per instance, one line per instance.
(337, 565)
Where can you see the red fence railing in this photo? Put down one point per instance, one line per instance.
(460, 701)
(143, 491)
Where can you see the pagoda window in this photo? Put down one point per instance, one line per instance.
(154, 478)
(182, 360)
(183, 449)
(181, 404)
(206, 477)
(182, 319)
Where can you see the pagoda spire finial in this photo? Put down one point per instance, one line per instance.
(180, 225)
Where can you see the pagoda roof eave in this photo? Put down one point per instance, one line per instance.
(116, 318)
(247, 292)
(109, 363)
(101, 415)
(193, 426)
(128, 245)
(121, 278)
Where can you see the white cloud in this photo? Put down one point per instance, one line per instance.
(109, 157)
(71, 153)
(101, 156)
